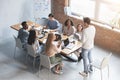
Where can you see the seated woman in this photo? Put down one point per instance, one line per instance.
(78, 33)
(78, 36)
(52, 51)
(34, 42)
(68, 28)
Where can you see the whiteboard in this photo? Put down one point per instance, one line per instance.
(42, 8)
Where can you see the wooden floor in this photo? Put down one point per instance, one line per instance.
(18, 69)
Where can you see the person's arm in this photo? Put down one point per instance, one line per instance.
(57, 48)
(74, 29)
(36, 45)
(59, 44)
(64, 30)
(57, 25)
(83, 37)
(47, 25)
(80, 35)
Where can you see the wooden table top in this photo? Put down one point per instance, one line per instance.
(30, 24)
(65, 51)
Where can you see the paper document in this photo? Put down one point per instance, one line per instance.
(70, 46)
(44, 41)
(38, 28)
(41, 36)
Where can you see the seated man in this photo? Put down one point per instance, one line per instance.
(23, 34)
(52, 23)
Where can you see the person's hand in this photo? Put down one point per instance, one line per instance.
(59, 43)
(44, 27)
(64, 34)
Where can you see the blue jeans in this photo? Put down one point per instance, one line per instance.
(87, 59)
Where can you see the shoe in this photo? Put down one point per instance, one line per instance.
(83, 74)
(60, 72)
(90, 71)
(53, 70)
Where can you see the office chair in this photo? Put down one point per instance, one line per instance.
(18, 44)
(32, 53)
(45, 62)
(43, 21)
(101, 65)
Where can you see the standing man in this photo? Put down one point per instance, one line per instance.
(23, 34)
(87, 39)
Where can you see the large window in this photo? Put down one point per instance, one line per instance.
(105, 11)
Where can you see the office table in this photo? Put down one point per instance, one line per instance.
(29, 23)
(65, 51)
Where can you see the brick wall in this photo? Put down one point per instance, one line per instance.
(105, 38)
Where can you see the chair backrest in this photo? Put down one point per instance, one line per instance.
(60, 28)
(105, 61)
(18, 42)
(43, 21)
(31, 51)
(45, 61)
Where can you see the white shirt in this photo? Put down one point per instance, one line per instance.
(78, 35)
(88, 36)
(37, 48)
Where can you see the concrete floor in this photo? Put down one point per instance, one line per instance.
(17, 68)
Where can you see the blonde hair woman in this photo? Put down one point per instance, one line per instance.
(52, 51)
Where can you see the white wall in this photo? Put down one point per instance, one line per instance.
(42, 8)
(12, 12)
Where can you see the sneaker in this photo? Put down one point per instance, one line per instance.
(53, 70)
(90, 71)
(58, 72)
(83, 74)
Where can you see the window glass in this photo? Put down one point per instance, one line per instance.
(106, 11)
